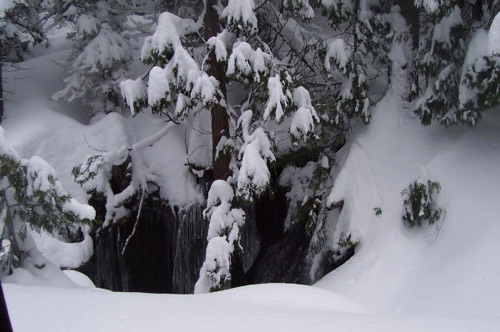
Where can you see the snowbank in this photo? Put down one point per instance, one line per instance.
(271, 307)
(449, 268)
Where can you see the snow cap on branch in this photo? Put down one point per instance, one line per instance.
(223, 236)
(304, 118)
(338, 51)
(247, 63)
(158, 86)
(167, 37)
(239, 17)
(279, 98)
(253, 176)
(134, 92)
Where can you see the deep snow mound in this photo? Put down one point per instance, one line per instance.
(448, 268)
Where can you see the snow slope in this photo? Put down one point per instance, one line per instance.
(450, 268)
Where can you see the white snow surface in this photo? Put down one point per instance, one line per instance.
(494, 36)
(34, 129)
(271, 307)
(448, 269)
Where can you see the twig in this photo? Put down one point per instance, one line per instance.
(438, 228)
(135, 225)
(95, 149)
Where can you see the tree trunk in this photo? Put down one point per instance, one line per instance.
(411, 15)
(1, 82)
(220, 119)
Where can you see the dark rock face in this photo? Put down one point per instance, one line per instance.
(163, 256)
(285, 261)
(168, 248)
(191, 242)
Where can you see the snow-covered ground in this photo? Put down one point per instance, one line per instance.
(449, 268)
(272, 307)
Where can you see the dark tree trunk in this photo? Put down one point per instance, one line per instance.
(1, 82)
(4, 313)
(411, 15)
(220, 119)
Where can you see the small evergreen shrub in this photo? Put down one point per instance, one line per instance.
(419, 203)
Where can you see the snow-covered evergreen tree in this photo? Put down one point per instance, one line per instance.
(447, 60)
(358, 56)
(20, 27)
(480, 85)
(223, 238)
(31, 196)
(182, 84)
(102, 50)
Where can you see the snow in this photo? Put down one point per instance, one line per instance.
(494, 36)
(246, 62)
(277, 98)
(6, 5)
(254, 154)
(86, 24)
(304, 118)
(133, 90)
(297, 180)
(241, 14)
(34, 129)
(220, 48)
(223, 236)
(300, 7)
(62, 254)
(79, 278)
(442, 270)
(158, 87)
(339, 52)
(220, 191)
(171, 28)
(442, 29)
(254, 308)
(103, 51)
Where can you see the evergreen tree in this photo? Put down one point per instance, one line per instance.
(20, 26)
(102, 36)
(180, 88)
(31, 196)
(359, 55)
(447, 29)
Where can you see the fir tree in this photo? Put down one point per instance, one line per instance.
(181, 88)
(101, 53)
(31, 196)
(456, 90)
(20, 27)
